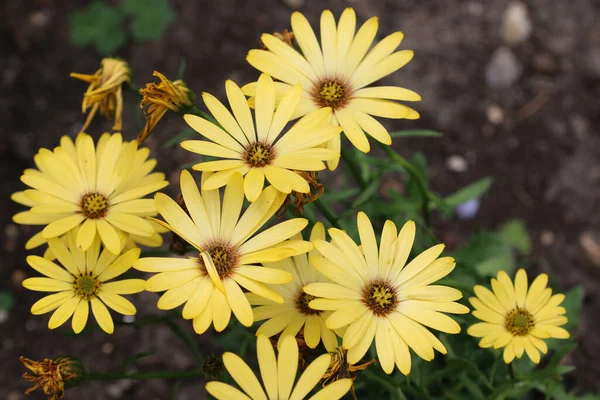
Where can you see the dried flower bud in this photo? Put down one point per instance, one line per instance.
(53, 376)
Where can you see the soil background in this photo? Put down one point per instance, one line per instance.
(537, 136)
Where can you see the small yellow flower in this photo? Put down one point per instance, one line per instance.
(105, 91)
(339, 368)
(518, 318)
(294, 314)
(53, 376)
(266, 152)
(380, 297)
(98, 188)
(278, 376)
(229, 252)
(336, 72)
(81, 282)
(160, 98)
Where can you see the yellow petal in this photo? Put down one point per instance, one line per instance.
(223, 391)
(254, 183)
(80, 316)
(267, 364)
(63, 313)
(49, 269)
(239, 305)
(243, 376)
(51, 302)
(110, 237)
(310, 377)
(213, 132)
(61, 226)
(240, 109)
(352, 130)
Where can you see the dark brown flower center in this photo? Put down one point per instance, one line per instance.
(223, 256)
(519, 322)
(380, 297)
(258, 154)
(302, 300)
(331, 93)
(94, 205)
(86, 285)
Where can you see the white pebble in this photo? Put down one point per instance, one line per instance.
(456, 163)
(516, 24)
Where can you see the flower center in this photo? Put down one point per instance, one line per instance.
(87, 286)
(224, 257)
(380, 297)
(330, 93)
(302, 300)
(258, 154)
(94, 205)
(519, 322)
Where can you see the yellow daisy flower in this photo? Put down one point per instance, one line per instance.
(516, 317)
(295, 314)
(336, 74)
(97, 188)
(278, 376)
(264, 152)
(209, 285)
(83, 282)
(380, 297)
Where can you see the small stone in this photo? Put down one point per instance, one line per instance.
(475, 8)
(128, 319)
(456, 163)
(591, 247)
(544, 63)
(3, 316)
(495, 114)
(547, 238)
(294, 4)
(516, 24)
(117, 390)
(503, 69)
(469, 209)
(108, 348)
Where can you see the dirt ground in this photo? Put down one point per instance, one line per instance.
(536, 136)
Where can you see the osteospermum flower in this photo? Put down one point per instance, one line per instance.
(278, 376)
(337, 74)
(83, 282)
(210, 284)
(266, 152)
(105, 91)
(518, 318)
(97, 188)
(380, 297)
(294, 314)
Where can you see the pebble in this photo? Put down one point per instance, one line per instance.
(294, 4)
(128, 319)
(117, 389)
(495, 114)
(591, 247)
(545, 63)
(503, 69)
(17, 277)
(468, 209)
(3, 316)
(516, 25)
(547, 238)
(108, 348)
(456, 163)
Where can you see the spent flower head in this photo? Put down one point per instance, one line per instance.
(105, 91)
(53, 376)
(159, 98)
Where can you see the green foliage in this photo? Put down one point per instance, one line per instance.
(150, 18)
(7, 300)
(416, 133)
(103, 26)
(98, 25)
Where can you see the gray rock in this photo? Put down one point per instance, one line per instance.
(503, 69)
(516, 24)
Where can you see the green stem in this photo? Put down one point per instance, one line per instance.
(327, 213)
(421, 184)
(354, 169)
(110, 376)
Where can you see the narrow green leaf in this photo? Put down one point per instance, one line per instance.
(366, 194)
(180, 137)
(474, 190)
(130, 360)
(416, 133)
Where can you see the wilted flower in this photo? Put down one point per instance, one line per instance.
(53, 376)
(105, 91)
(160, 98)
(340, 368)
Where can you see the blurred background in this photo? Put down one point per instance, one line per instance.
(513, 86)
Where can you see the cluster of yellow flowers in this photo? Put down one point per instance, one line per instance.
(91, 200)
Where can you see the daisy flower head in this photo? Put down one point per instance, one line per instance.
(517, 317)
(294, 314)
(229, 252)
(336, 71)
(379, 296)
(262, 150)
(278, 375)
(98, 188)
(81, 281)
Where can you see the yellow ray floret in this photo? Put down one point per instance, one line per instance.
(229, 252)
(518, 318)
(260, 148)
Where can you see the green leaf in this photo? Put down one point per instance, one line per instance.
(515, 233)
(150, 17)
(181, 136)
(572, 303)
(502, 262)
(7, 300)
(474, 190)
(416, 133)
(97, 25)
(369, 192)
